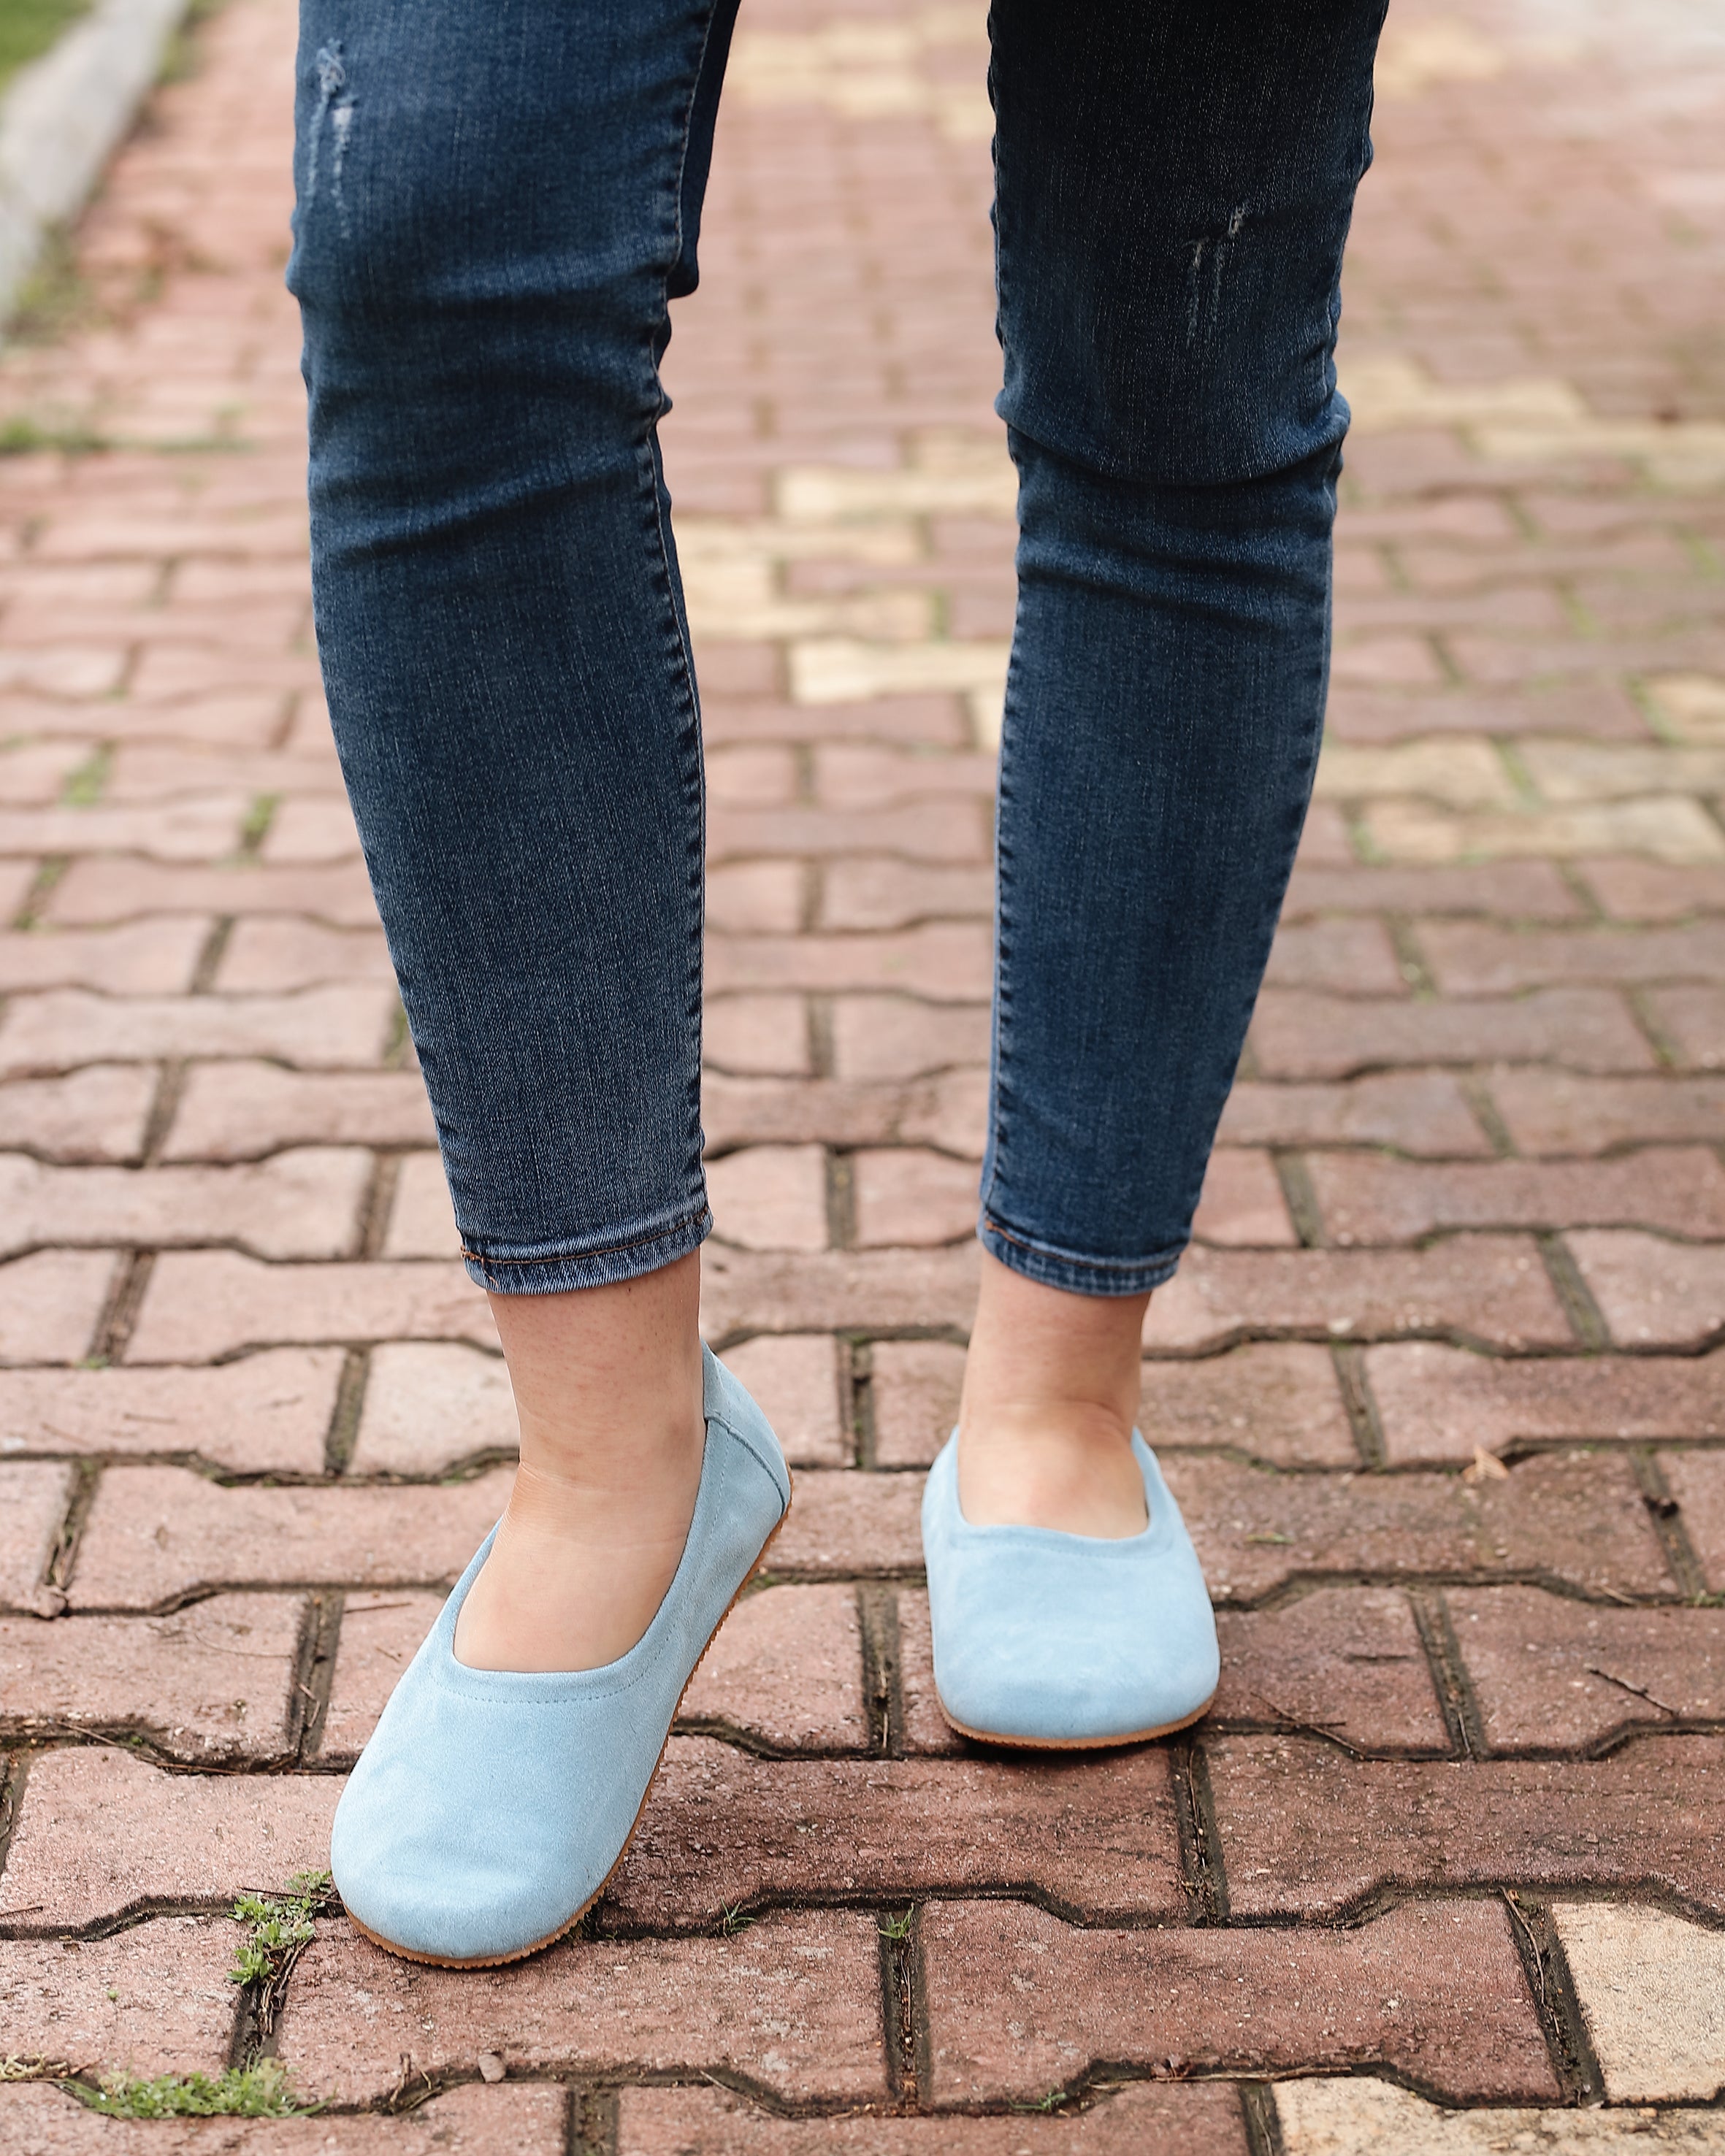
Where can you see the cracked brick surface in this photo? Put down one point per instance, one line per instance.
(1440, 1386)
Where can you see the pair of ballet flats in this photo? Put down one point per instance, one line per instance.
(490, 1807)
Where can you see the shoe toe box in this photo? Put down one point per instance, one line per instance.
(1103, 1668)
(469, 1831)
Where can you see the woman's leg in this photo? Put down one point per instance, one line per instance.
(494, 208)
(1174, 187)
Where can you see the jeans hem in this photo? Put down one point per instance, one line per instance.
(1067, 1270)
(555, 1272)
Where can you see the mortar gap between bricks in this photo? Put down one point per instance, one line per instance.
(1646, 1019)
(732, 2081)
(1410, 959)
(741, 1916)
(120, 1313)
(1658, 1039)
(138, 1740)
(1586, 1318)
(903, 2007)
(1612, 1896)
(1455, 677)
(1295, 1588)
(1362, 1910)
(1476, 1091)
(145, 1909)
(315, 1668)
(592, 2123)
(1359, 1405)
(343, 1432)
(841, 1199)
(1262, 2120)
(210, 956)
(1625, 1736)
(883, 1690)
(1301, 1197)
(1200, 1844)
(58, 1571)
(857, 1398)
(1573, 876)
(1666, 1515)
(752, 1746)
(817, 1011)
(372, 1226)
(13, 1772)
(164, 1107)
(52, 868)
(1448, 1673)
(1555, 1999)
(282, 731)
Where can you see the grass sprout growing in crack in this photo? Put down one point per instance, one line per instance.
(1055, 2100)
(279, 1929)
(736, 1920)
(23, 436)
(254, 2092)
(897, 1928)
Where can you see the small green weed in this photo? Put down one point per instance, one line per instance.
(258, 817)
(56, 297)
(736, 1921)
(1055, 2100)
(255, 2092)
(897, 1928)
(29, 27)
(24, 437)
(280, 1929)
(83, 788)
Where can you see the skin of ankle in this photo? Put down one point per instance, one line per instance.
(607, 1385)
(1051, 1394)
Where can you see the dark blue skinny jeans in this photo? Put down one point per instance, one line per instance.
(494, 208)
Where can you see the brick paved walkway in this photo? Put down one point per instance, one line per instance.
(1435, 1386)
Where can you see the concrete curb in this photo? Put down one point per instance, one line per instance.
(62, 117)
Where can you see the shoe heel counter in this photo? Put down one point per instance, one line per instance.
(730, 1403)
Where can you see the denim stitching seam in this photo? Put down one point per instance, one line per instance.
(1068, 1258)
(702, 1218)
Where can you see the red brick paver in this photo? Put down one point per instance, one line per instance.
(1440, 1387)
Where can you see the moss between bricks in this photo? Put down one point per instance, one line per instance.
(28, 28)
(259, 2091)
(279, 1927)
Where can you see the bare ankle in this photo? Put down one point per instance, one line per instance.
(1050, 1400)
(608, 1386)
(1035, 1345)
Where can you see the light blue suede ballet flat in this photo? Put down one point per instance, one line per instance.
(490, 1808)
(1051, 1640)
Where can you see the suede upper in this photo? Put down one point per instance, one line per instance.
(489, 1806)
(1056, 1639)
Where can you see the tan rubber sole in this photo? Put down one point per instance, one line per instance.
(550, 1939)
(1073, 1744)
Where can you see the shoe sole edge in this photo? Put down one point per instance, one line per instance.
(1073, 1744)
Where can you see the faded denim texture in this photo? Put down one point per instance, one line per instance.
(493, 211)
